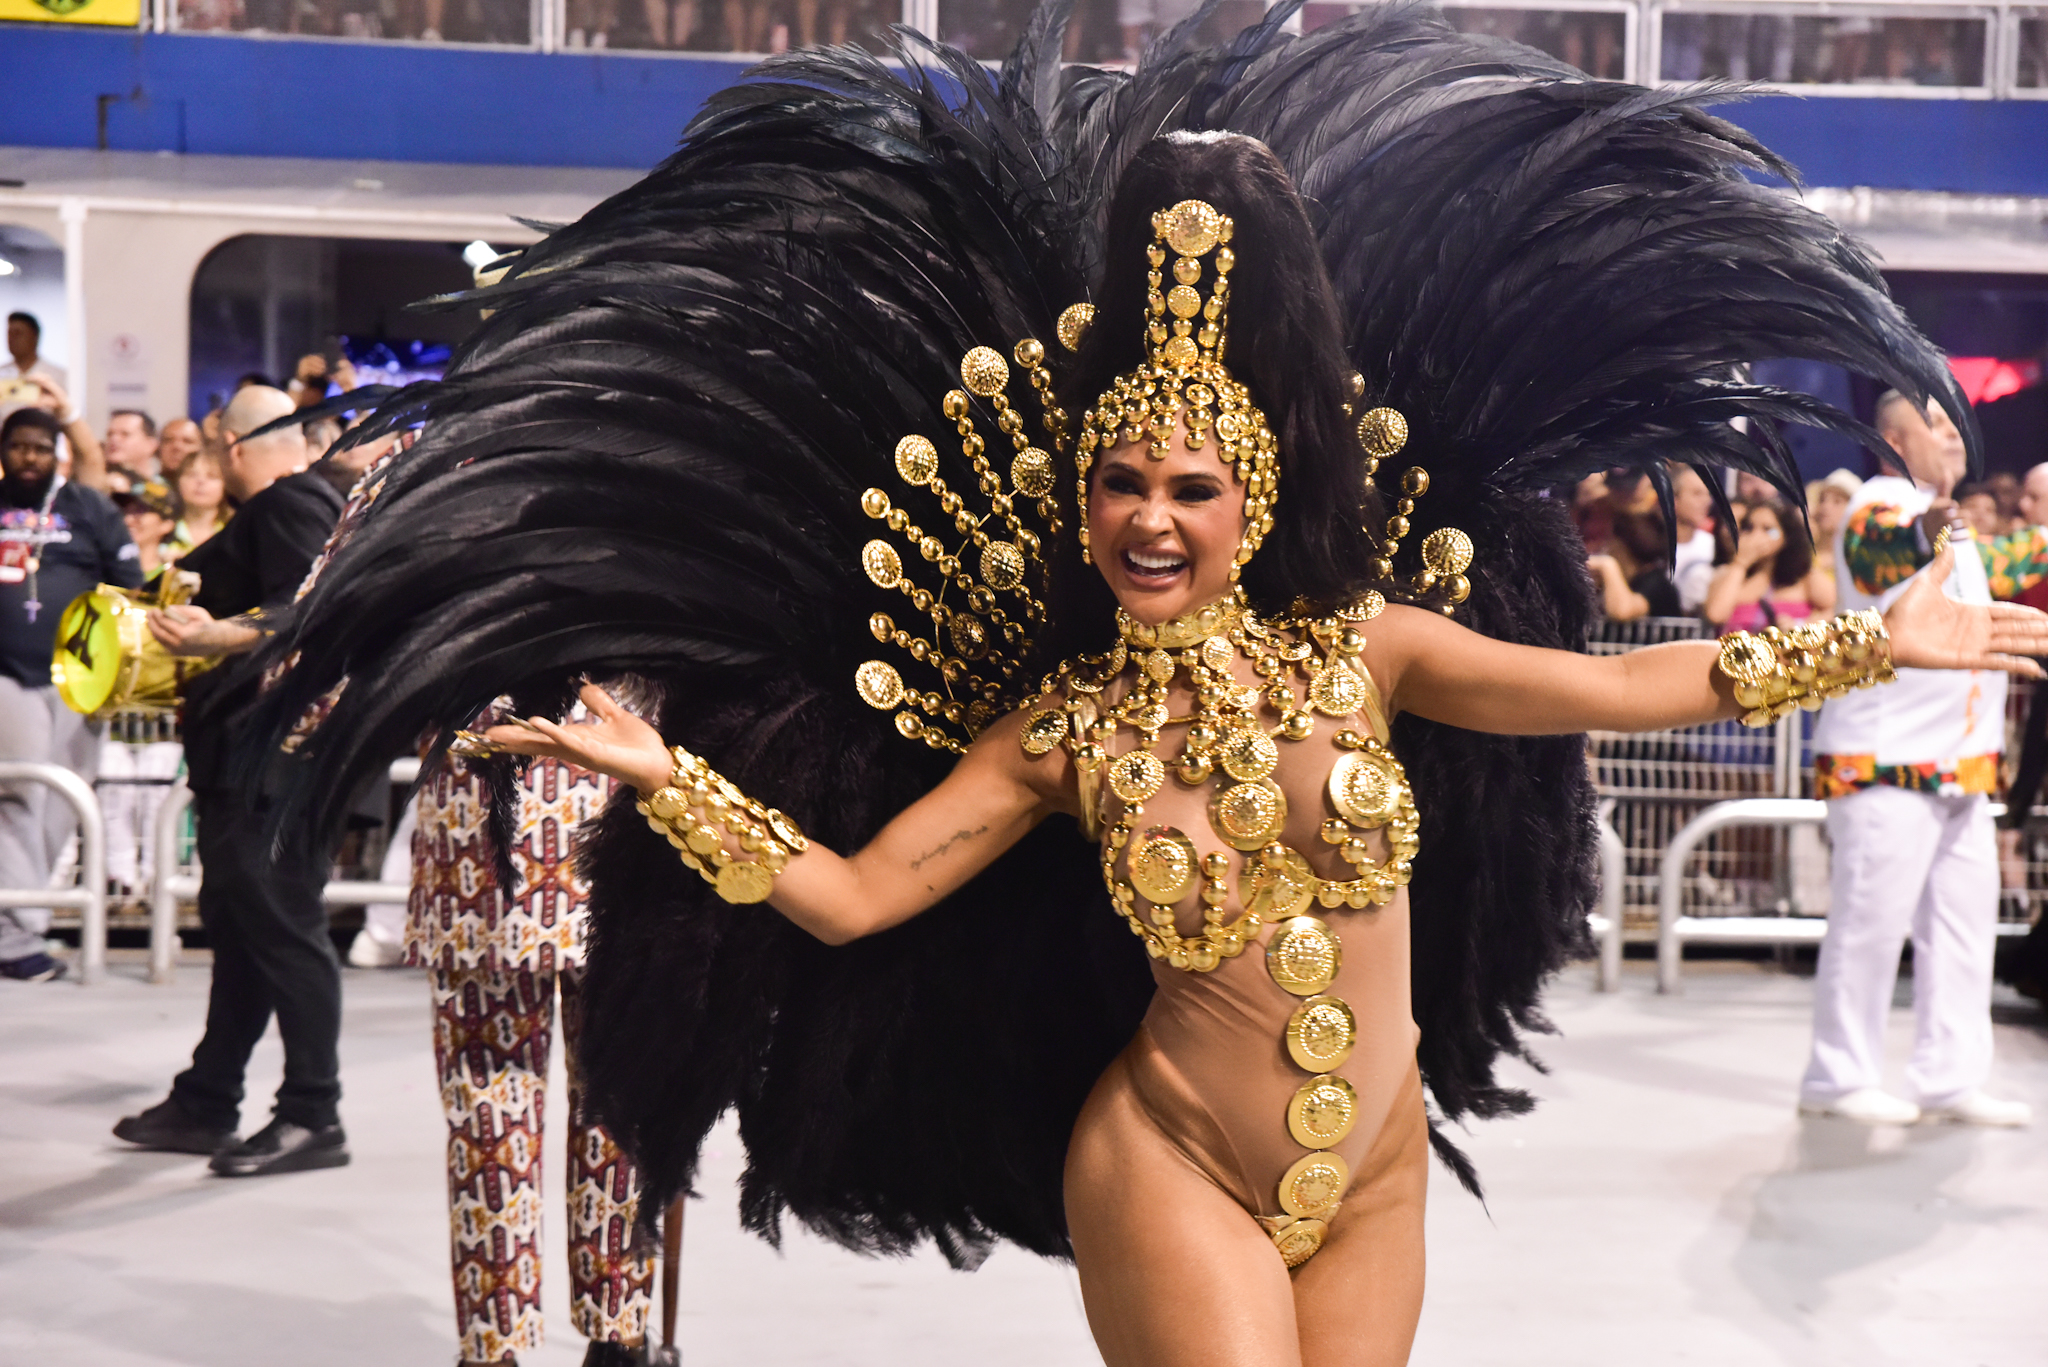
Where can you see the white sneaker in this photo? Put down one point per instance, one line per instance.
(1975, 1108)
(1865, 1105)
(367, 951)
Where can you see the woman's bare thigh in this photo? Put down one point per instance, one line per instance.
(1174, 1273)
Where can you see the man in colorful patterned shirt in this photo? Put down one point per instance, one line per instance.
(1908, 771)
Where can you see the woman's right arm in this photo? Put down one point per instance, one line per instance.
(993, 797)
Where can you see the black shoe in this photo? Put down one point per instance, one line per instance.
(282, 1146)
(33, 968)
(600, 1354)
(168, 1127)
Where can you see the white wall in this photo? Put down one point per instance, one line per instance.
(37, 286)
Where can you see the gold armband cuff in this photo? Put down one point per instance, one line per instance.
(1776, 671)
(700, 808)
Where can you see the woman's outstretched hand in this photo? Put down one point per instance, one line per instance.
(613, 742)
(1930, 630)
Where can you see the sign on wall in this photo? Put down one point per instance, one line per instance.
(125, 13)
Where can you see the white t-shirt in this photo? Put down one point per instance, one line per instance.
(55, 374)
(1693, 570)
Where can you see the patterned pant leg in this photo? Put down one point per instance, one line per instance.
(491, 1039)
(610, 1281)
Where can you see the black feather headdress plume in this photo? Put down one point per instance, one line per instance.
(649, 460)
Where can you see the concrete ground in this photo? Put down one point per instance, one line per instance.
(1664, 1204)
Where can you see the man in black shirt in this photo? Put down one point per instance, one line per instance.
(261, 909)
(57, 540)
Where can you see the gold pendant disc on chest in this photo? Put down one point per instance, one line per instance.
(1249, 815)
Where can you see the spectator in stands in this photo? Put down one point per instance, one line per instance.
(57, 539)
(131, 446)
(1768, 578)
(1634, 576)
(202, 501)
(151, 512)
(179, 439)
(1908, 771)
(1978, 505)
(1692, 569)
(260, 904)
(1826, 500)
(24, 355)
(79, 457)
(1753, 489)
(2005, 487)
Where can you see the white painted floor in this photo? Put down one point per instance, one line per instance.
(1663, 1205)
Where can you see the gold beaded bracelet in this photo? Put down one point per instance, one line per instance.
(1776, 671)
(763, 832)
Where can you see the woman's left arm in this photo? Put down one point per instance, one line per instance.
(1437, 669)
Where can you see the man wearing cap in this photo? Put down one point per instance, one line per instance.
(1908, 771)
(261, 908)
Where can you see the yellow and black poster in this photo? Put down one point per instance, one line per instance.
(124, 13)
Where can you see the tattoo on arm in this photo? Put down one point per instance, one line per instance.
(945, 845)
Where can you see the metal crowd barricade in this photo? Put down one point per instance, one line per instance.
(1606, 922)
(90, 896)
(1675, 929)
(175, 882)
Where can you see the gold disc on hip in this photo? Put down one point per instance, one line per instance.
(745, 882)
(1249, 815)
(1322, 1112)
(1365, 788)
(1304, 955)
(1135, 775)
(1316, 1180)
(1163, 865)
(1249, 754)
(1299, 1240)
(1320, 1034)
(1337, 690)
(1276, 888)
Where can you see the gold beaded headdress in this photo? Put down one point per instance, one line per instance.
(1183, 380)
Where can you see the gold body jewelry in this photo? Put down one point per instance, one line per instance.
(1233, 733)
(703, 815)
(1777, 670)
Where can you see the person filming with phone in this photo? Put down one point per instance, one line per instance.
(1769, 578)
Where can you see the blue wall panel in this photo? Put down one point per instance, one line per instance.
(395, 102)
(402, 102)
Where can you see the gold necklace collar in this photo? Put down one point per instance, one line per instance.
(1188, 629)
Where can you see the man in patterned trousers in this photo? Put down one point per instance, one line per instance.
(497, 963)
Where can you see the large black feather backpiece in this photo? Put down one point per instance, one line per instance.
(650, 459)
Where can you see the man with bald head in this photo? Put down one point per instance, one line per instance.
(1908, 772)
(261, 909)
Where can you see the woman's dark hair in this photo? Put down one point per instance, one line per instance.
(1794, 555)
(1283, 342)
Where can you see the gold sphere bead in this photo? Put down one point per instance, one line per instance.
(1300, 726)
(954, 405)
(1029, 352)
(1415, 481)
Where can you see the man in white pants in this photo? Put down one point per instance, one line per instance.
(1908, 771)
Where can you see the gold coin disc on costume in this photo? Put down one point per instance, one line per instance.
(1183, 301)
(1249, 816)
(744, 881)
(969, 636)
(1158, 665)
(1218, 653)
(1163, 864)
(878, 684)
(1031, 473)
(1337, 690)
(1304, 955)
(1365, 788)
(1073, 324)
(1747, 658)
(1044, 731)
(1180, 352)
(884, 567)
(1382, 432)
(1447, 551)
(1299, 1240)
(1190, 227)
(1315, 1181)
(1365, 609)
(1249, 754)
(1136, 775)
(1320, 1034)
(984, 371)
(1002, 565)
(1322, 1112)
(1276, 888)
(917, 460)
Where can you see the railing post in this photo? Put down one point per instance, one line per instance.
(163, 888)
(90, 896)
(1613, 877)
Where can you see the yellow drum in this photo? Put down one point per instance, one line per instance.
(105, 657)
